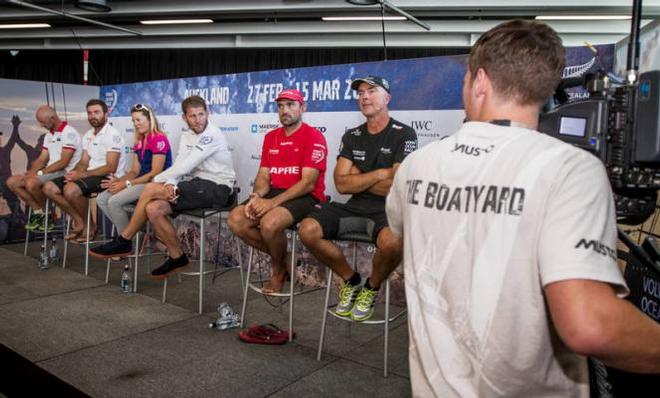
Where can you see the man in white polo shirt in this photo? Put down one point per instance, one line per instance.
(60, 152)
(509, 240)
(104, 153)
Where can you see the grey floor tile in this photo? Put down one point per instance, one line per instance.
(184, 359)
(371, 353)
(53, 325)
(344, 378)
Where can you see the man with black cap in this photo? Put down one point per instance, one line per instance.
(290, 181)
(368, 158)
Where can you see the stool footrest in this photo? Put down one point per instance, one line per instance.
(368, 321)
(295, 293)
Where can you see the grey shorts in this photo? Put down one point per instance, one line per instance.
(51, 176)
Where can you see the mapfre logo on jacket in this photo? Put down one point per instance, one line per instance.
(291, 170)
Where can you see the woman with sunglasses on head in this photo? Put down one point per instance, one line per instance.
(151, 155)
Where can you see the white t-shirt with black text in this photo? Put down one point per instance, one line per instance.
(489, 216)
(108, 139)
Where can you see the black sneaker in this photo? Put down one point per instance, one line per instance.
(114, 248)
(170, 265)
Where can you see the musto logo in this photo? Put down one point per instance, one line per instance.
(597, 246)
(262, 128)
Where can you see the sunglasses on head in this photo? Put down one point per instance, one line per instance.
(140, 107)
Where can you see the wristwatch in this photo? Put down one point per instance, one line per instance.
(40, 172)
(128, 183)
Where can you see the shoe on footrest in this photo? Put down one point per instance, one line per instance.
(114, 248)
(364, 305)
(170, 265)
(36, 221)
(347, 296)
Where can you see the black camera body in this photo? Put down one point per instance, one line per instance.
(620, 126)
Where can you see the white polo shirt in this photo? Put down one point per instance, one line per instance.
(65, 137)
(489, 216)
(108, 139)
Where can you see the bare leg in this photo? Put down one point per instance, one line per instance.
(272, 228)
(246, 229)
(34, 186)
(153, 191)
(324, 250)
(79, 205)
(387, 257)
(17, 184)
(53, 192)
(158, 212)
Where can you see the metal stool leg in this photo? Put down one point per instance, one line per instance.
(147, 236)
(46, 225)
(292, 283)
(107, 271)
(240, 262)
(27, 232)
(247, 286)
(387, 325)
(66, 242)
(349, 325)
(89, 217)
(325, 313)
(201, 262)
(164, 290)
(137, 257)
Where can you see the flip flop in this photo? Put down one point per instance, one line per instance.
(287, 278)
(265, 334)
(73, 235)
(82, 238)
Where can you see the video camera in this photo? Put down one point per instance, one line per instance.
(619, 125)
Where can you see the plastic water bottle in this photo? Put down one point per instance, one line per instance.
(227, 318)
(52, 254)
(43, 258)
(126, 279)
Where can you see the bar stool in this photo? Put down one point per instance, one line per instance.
(291, 294)
(92, 203)
(356, 230)
(139, 250)
(200, 215)
(45, 233)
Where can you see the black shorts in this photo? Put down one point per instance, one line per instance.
(88, 185)
(298, 207)
(200, 194)
(330, 215)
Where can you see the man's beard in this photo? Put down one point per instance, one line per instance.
(291, 122)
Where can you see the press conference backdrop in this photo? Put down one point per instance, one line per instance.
(21, 136)
(426, 94)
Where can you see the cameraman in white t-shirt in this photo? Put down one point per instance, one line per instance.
(510, 242)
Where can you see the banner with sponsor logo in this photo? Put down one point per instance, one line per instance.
(426, 95)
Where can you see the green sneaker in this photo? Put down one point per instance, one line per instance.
(364, 305)
(347, 296)
(36, 221)
(51, 225)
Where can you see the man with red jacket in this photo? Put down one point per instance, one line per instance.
(290, 181)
